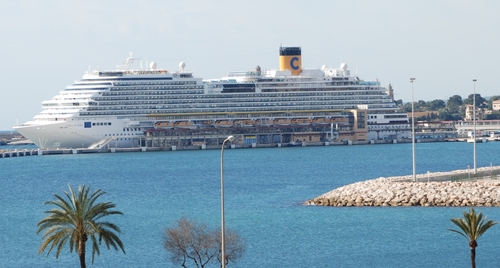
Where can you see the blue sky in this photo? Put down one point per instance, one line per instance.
(47, 45)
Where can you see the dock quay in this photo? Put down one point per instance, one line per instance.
(9, 153)
(38, 152)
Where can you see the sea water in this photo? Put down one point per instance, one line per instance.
(265, 190)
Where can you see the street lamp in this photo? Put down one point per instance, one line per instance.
(413, 132)
(474, 118)
(223, 244)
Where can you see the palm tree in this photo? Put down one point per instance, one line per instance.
(472, 228)
(75, 220)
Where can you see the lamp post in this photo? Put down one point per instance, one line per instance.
(223, 229)
(474, 118)
(413, 132)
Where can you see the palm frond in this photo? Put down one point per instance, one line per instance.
(75, 219)
(472, 225)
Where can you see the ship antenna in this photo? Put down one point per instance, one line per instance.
(126, 64)
(129, 61)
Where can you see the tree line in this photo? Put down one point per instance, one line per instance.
(453, 109)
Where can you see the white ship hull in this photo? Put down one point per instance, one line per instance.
(73, 134)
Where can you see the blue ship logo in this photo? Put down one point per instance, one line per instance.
(292, 63)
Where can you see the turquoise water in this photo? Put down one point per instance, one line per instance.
(264, 191)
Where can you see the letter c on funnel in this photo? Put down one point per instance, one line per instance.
(292, 63)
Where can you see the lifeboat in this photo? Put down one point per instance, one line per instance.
(301, 121)
(321, 121)
(264, 122)
(206, 124)
(282, 121)
(244, 123)
(223, 123)
(164, 125)
(339, 120)
(184, 125)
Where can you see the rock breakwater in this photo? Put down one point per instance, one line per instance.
(394, 192)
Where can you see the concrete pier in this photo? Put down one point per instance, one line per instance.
(36, 151)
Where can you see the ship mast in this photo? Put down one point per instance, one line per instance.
(126, 64)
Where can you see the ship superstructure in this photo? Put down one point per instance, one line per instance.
(124, 105)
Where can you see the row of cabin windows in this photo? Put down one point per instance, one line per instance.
(126, 134)
(155, 88)
(170, 105)
(163, 99)
(267, 95)
(155, 83)
(232, 107)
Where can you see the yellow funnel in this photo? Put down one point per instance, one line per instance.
(290, 59)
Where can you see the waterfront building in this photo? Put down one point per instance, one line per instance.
(469, 113)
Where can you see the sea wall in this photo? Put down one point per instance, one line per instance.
(397, 191)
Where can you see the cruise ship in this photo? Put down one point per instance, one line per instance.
(122, 106)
